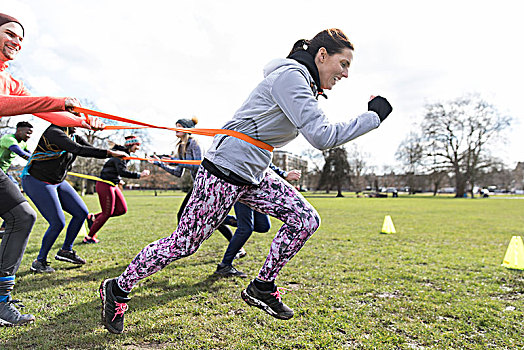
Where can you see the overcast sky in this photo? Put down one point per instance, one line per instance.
(159, 61)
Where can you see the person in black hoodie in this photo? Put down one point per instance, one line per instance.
(112, 201)
(43, 181)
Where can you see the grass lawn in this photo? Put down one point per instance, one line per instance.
(435, 284)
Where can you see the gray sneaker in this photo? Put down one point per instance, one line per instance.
(41, 267)
(69, 256)
(229, 271)
(10, 316)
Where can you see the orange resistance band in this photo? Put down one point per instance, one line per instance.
(206, 132)
(179, 161)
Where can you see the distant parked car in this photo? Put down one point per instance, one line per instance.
(446, 190)
(392, 190)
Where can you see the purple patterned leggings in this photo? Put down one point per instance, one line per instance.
(211, 201)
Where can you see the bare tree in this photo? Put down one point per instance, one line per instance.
(6, 126)
(411, 155)
(458, 135)
(358, 164)
(314, 157)
(311, 177)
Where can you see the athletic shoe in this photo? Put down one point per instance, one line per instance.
(270, 302)
(90, 240)
(241, 253)
(10, 316)
(90, 220)
(41, 267)
(113, 307)
(229, 271)
(69, 256)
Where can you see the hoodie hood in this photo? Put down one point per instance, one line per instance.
(277, 63)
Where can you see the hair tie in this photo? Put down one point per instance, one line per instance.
(305, 44)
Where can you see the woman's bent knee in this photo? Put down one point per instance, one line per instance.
(312, 220)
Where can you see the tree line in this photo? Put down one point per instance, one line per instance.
(453, 142)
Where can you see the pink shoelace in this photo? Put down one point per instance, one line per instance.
(120, 309)
(279, 292)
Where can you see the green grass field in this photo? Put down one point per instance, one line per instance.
(435, 284)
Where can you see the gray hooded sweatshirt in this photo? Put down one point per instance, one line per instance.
(277, 110)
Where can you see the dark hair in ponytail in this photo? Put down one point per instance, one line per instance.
(333, 40)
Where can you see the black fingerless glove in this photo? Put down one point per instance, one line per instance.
(380, 106)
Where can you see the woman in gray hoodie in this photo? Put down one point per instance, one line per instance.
(283, 105)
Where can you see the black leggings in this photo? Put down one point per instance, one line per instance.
(223, 229)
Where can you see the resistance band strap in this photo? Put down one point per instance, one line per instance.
(95, 178)
(122, 127)
(206, 132)
(179, 161)
(91, 177)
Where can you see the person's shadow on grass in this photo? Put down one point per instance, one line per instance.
(79, 326)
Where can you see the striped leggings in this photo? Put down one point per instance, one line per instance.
(211, 201)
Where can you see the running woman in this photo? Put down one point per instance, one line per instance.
(283, 105)
(111, 198)
(43, 179)
(189, 149)
(18, 215)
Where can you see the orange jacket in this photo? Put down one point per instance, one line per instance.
(15, 100)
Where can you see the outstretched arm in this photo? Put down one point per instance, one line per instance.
(294, 96)
(15, 105)
(51, 109)
(80, 147)
(22, 153)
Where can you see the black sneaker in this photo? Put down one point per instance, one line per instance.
(270, 302)
(10, 316)
(41, 267)
(90, 220)
(113, 307)
(70, 256)
(228, 271)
